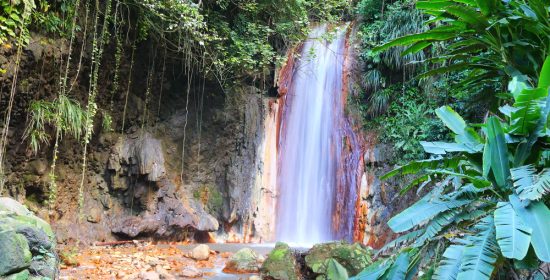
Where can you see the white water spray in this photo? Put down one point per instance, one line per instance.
(310, 141)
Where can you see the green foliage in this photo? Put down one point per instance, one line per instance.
(369, 9)
(408, 120)
(14, 17)
(387, 68)
(336, 271)
(474, 212)
(487, 38)
(233, 38)
(63, 113)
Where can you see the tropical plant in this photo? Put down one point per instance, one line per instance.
(408, 119)
(384, 69)
(14, 19)
(488, 204)
(488, 38)
(43, 115)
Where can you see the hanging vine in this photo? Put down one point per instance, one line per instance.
(128, 87)
(58, 121)
(5, 128)
(91, 108)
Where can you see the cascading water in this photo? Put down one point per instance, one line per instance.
(312, 137)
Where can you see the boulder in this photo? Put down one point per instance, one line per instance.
(27, 244)
(201, 252)
(244, 261)
(15, 255)
(281, 264)
(172, 216)
(22, 275)
(353, 257)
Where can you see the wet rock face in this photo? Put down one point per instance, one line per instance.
(27, 243)
(281, 264)
(380, 200)
(138, 154)
(171, 217)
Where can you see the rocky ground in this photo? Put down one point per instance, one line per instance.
(147, 261)
(143, 261)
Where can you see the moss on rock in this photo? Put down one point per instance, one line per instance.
(281, 264)
(14, 252)
(244, 261)
(354, 257)
(27, 244)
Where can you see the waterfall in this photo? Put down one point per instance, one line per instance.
(313, 135)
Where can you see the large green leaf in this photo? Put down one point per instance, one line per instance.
(450, 264)
(537, 216)
(529, 184)
(513, 236)
(451, 119)
(434, 5)
(477, 181)
(486, 6)
(425, 209)
(544, 79)
(335, 271)
(525, 148)
(435, 226)
(499, 152)
(373, 271)
(481, 253)
(528, 109)
(403, 239)
(469, 15)
(411, 39)
(398, 270)
(441, 148)
(414, 167)
(456, 124)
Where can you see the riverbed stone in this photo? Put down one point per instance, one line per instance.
(190, 272)
(244, 261)
(149, 275)
(353, 257)
(200, 252)
(281, 264)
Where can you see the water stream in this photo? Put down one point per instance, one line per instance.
(311, 140)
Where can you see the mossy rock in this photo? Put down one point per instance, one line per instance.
(10, 208)
(353, 257)
(280, 264)
(26, 243)
(14, 252)
(22, 275)
(244, 261)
